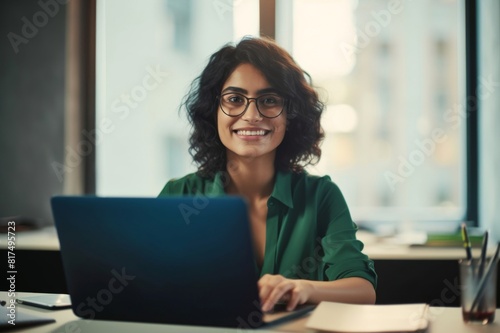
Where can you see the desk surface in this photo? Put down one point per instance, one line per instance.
(442, 320)
(46, 239)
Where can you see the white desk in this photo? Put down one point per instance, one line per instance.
(40, 239)
(443, 320)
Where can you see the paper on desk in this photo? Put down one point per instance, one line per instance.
(340, 317)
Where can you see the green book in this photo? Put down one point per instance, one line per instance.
(452, 240)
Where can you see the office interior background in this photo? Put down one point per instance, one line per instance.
(384, 91)
(90, 95)
(393, 76)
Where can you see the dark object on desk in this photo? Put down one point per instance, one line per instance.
(45, 265)
(492, 267)
(18, 223)
(21, 319)
(175, 260)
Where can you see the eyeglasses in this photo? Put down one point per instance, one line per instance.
(234, 104)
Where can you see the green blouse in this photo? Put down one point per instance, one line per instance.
(309, 230)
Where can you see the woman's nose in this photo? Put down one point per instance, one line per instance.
(252, 113)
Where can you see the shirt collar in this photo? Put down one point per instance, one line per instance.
(218, 185)
(282, 190)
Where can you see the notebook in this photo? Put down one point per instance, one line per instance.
(177, 260)
(357, 318)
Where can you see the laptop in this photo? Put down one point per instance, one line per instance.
(176, 260)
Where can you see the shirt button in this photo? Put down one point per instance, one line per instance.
(271, 203)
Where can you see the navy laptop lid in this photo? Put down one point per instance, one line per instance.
(178, 260)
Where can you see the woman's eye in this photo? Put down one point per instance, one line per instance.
(270, 101)
(235, 99)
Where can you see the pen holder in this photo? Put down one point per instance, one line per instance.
(478, 291)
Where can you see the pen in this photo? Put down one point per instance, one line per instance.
(466, 240)
(483, 255)
(482, 261)
(482, 283)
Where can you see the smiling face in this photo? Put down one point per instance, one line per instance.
(250, 135)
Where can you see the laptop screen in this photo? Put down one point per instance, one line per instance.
(179, 260)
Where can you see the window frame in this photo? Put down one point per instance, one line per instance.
(472, 123)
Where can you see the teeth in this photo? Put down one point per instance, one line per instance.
(261, 132)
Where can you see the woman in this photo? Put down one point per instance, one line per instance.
(256, 124)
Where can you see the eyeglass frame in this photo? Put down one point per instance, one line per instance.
(248, 99)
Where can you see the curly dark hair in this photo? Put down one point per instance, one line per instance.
(301, 144)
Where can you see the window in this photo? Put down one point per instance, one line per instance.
(148, 52)
(391, 74)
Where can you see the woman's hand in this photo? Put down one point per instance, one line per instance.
(277, 288)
